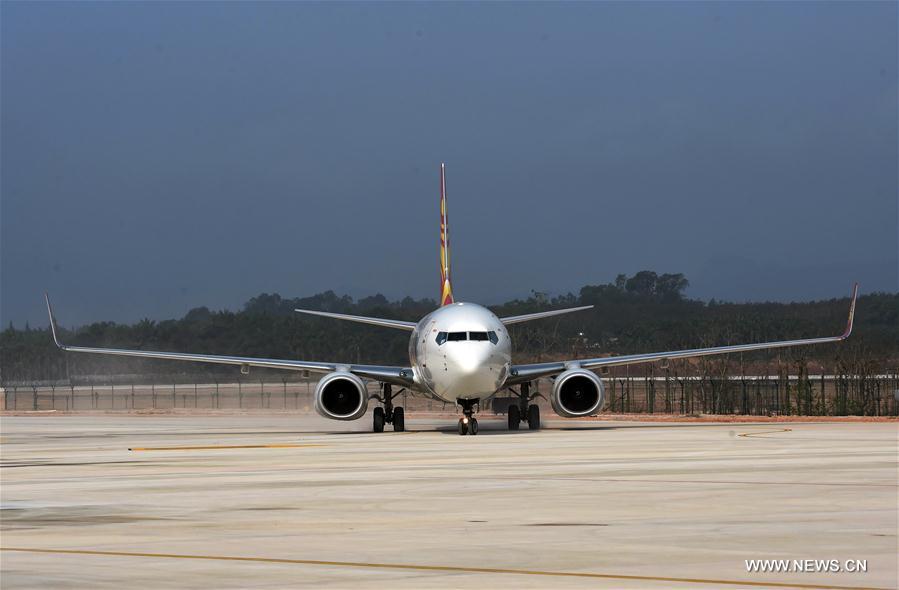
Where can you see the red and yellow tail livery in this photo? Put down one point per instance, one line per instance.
(446, 288)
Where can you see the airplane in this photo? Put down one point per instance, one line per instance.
(460, 353)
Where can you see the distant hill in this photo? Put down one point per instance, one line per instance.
(641, 313)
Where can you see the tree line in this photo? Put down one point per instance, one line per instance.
(641, 313)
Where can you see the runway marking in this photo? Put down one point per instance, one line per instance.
(437, 568)
(218, 447)
(728, 482)
(748, 434)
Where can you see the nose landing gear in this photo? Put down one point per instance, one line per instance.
(388, 414)
(468, 424)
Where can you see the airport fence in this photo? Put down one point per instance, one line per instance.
(241, 395)
(759, 395)
(802, 395)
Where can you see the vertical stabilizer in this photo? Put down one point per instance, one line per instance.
(446, 288)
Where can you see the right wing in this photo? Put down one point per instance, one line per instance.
(522, 373)
(398, 375)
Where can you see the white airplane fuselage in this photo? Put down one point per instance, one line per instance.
(460, 351)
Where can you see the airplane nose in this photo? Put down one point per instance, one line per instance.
(472, 371)
(471, 359)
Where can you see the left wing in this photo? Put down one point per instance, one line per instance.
(522, 373)
(398, 375)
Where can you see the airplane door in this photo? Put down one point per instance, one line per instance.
(424, 344)
(423, 353)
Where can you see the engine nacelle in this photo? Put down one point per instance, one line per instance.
(341, 396)
(577, 392)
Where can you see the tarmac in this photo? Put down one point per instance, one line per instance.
(290, 500)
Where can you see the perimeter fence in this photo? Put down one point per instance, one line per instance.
(803, 395)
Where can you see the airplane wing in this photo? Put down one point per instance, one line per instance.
(517, 319)
(397, 375)
(399, 324)
(522, 373)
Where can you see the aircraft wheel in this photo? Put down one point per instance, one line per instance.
(378, 420)
(473, 426)
(463, 427)
(514, 417)
(534, 417)
(399, 420)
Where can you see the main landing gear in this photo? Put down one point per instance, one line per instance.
(388, 414)
(468, 424)
(524, 412)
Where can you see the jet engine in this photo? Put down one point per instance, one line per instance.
(577, 392)
(341, 396)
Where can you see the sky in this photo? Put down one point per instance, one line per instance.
(156, 157)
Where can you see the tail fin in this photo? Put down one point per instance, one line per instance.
(446, 288)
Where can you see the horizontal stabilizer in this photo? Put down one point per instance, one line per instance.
(398, 324)
(517, 319)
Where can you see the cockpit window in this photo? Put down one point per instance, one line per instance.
(460, 336)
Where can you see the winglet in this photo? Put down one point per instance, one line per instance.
(851, 313)
(53, 323)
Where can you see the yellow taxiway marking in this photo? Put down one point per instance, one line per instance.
(217, 447)
(437, 568)
(748, 434)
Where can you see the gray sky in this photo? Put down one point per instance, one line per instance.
(162, 156)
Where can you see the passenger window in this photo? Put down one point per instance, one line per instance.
(477, 335)
(441, 338)
(457, 336)
(492, 336)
